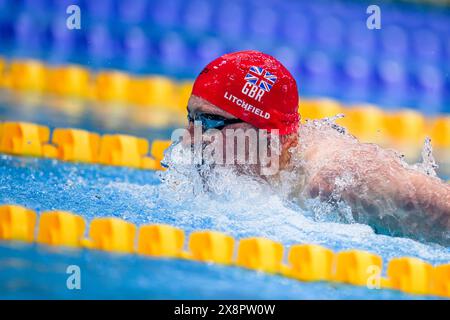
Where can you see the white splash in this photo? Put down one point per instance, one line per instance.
(428, 165)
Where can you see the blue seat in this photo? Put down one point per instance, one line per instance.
(360, 40)
(6, 33)
(29, 33)
(100, 44)
(263, 23)
(173, 51)
(394, 41)
(36, 7)
(288, 56)
(137, 47)
(133, 11)
(197, 15)
(230, 20)
(391, 71)
(207, 50)
(318, 72)
(356, 70)
(100, 9)
(430, 79)
(296, 29)
(166, 13)
(60, 6)
(62, 40)
(329, 32)
(426, 45)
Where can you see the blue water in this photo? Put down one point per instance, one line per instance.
(32, 271)
(36, 272)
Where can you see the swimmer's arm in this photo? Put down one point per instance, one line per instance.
(380, 183)
(430, 194)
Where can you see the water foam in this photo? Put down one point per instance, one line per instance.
(428, 165)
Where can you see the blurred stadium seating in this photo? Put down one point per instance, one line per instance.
(325, 43)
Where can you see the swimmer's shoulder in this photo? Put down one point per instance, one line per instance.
(319, 141)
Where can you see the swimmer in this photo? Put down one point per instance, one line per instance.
(250, 90)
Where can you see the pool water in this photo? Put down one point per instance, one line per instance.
(33, 271)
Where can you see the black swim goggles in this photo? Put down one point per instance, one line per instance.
(211, 121)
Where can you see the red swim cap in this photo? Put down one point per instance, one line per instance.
(252, 86)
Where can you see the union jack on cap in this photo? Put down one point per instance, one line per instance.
(261, 78)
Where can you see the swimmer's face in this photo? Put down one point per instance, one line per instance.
(243, 155)
(200, 106)
(218, 134)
